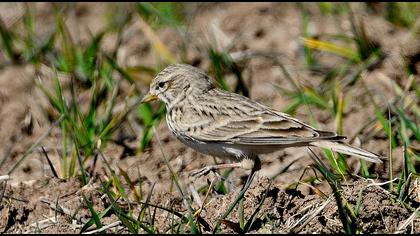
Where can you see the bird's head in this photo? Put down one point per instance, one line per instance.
(177, 81)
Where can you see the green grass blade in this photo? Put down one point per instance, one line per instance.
(358, 203)
(7, 43)
(191, 223)
(80, 162)
(349, 223)
(95, 216)
(238, 198)
(164, 13)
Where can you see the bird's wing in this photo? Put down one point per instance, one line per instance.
(277, 128)
(243, 122)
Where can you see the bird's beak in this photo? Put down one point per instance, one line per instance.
(148, 97)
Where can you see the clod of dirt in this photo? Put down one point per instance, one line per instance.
(278, 211)
(24, 206)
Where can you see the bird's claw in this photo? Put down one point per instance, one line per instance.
(202, 171)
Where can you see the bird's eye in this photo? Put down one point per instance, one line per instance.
(161, 84)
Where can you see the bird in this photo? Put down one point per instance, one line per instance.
(233, 127)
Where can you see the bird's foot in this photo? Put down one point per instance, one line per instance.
(207, 169)
(202, 171)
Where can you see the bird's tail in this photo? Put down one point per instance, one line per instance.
(349, 150)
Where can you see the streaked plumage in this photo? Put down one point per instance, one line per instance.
(224, 124)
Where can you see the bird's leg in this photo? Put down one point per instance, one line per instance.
(246, 163)
(207, 169)
(256, 165)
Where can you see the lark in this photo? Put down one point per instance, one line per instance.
(231, 126)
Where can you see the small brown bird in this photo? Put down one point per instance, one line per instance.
(228, 125)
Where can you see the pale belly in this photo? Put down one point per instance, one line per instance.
(215, 149)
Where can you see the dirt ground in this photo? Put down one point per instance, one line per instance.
(33, 201)
(47, 205)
